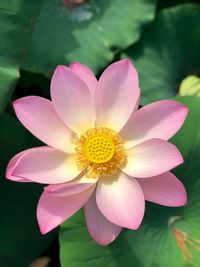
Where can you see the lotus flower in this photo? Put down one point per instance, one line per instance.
(101, 152)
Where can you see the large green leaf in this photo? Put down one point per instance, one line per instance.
(16, 21)
(168, 52)
(62, 35)
(169, 3)
(21, 240)
(166, 235)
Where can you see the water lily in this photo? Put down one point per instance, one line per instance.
(102, 152)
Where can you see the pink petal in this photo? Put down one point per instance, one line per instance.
(116, 95)
(11, 165)
(121, 200)
(86, 75)
(52, 210)
(151, 158)
(46, 165)
(164, 189)
(72, 99)
(75, 186)
(101, 230)
(37, 114)
(160, 119)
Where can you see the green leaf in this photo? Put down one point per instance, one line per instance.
(21, 240)
(63, 35)
(16, 19)
(190, 86)
(166, 236)
(169, 3)
(168, 52)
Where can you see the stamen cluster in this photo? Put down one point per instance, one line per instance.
(99, 151)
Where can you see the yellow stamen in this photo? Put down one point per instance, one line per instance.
(99, 151)
(99, 148)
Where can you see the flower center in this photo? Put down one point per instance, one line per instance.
(99, 151)
(99, 148)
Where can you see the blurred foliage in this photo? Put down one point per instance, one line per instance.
(162, 4)
(190, 86)
(163, 41)
(21, 240)
(60, 38)
(168, 52)
(17, 18)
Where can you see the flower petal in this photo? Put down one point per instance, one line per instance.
(72, 99)
(75, 186)
(151, 158)
(46, 165)
(160, 119)
(11, 165)
(121, 200)
(101, 230)
(116, 95)
(86, 75)
(52, 210)
(164, 189)
(37, 114)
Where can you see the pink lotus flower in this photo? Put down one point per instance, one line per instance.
(102, 153)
